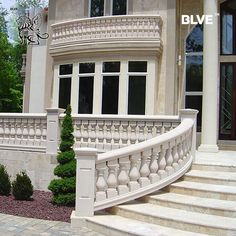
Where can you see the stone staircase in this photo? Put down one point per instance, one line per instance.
(203, 202)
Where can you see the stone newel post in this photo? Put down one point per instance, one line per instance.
(85, 181)
(53, 131)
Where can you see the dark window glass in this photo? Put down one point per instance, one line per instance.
(226, 109)
(137, 66)
(110, 94)
(227, 33)
(195, 102)
(194, 42)
(119, 7)
(97, 8)
(64, 92)
(66, 69)
(86, 95)
(86, 68)
(137, 94)
(194, 73)
(111, 67)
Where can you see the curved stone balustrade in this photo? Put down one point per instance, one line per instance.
(110, 132)
(131, 172)
(129, 32)
(23, 131)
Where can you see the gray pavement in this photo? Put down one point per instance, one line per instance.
(22, 226)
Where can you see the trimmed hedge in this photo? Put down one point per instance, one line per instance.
(63, 189)
(5, 183)
(22, 188)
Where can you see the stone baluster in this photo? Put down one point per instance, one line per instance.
(141, 136)
(149, 130)
(169, 159)
(31, 132)
(37, 133)
(78, 137)
(180, 151)
(123, 178)
(162, 162)
(1, 131)
(124, 133)
(154, 177)
(108, 135)
(112, 181)
(18, 131)
(175, 155)
(144, 169)
(167, 127)
(44, 132)
(158, 127)
(84, 133)
(101, 183)
(92, 134)
(12, 131)
(133, 136)
(134, 174)
(100, 145)
(6, 131)
(25, 132)
(116, 135)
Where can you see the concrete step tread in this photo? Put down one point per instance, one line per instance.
(195, 201)
(151, 210)
(135, 227)
(212, 175)
(205, 187)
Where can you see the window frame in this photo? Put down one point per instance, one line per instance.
(111, 8)
(104, 9)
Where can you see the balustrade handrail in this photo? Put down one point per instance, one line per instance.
(101, 18)
(22, 115)
(184, 126)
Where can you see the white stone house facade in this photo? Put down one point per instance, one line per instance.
(135, 57)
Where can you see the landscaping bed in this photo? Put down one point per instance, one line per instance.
(39, 207)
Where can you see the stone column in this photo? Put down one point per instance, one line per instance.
(210, 81)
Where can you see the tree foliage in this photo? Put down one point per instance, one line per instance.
(64, 188)
(11, 86)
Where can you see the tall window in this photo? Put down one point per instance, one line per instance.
(65, 74)
(228, 28)
(97, 8)
(110, 88)
(137, 87)
(194, 72)
(119, 7)
(86, 83)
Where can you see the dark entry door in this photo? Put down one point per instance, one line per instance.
(228, 101)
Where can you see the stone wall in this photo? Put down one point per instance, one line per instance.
(38, 166)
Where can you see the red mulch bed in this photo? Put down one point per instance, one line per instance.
(39, 207)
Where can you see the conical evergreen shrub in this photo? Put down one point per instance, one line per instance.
(63, 189)
(5, 184)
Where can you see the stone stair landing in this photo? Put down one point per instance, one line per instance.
(203, 202)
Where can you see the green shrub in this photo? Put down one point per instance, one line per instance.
(63, 189)
(22, 189)
(5, 184)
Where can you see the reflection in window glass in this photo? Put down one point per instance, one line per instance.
(119, 7)
(226, 109)
(96, 8)
(86, 68)
(194, 42)
(137, 66)
(137, 94)
(86, 95)
(227, 33)
(111, 67)
(195, 102)
(64, 92)
(194, 73)
(110, 94)
(66, 69)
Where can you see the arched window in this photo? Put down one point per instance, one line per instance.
(194, 71)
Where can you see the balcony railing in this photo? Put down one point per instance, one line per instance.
(109, 33)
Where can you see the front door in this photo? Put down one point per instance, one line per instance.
(228, 101)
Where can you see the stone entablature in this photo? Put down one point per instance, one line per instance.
(109, 33)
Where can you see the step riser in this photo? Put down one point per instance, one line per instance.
(200, 193)
(106, 230)
(191, 208)
(173, 223)
(209, 181)
(214, 168)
